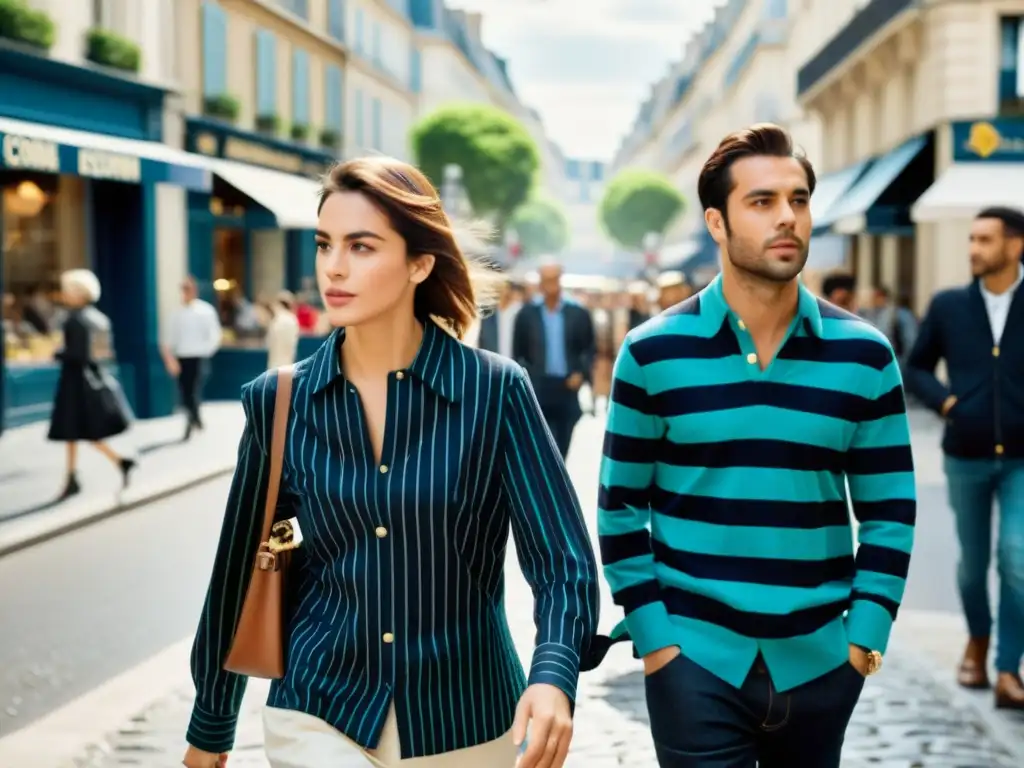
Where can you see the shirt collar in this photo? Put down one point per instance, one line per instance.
(1007, 294)
(436, 363)
(714, 310)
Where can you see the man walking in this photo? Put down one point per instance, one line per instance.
(496, 328)
(194, 335)
(554, 341)
(738, 419)
(978, 331)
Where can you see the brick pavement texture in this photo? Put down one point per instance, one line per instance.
(910, 715)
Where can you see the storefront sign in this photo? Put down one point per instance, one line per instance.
(97, 164)
(224, 143)
(995, 141)
(29, 154)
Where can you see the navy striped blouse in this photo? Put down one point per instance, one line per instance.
(398, 589)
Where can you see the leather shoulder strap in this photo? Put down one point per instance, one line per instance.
(282, 408)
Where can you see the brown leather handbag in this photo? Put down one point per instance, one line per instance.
(257, 649)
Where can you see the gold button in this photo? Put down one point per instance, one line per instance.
(995, 351)
(388, 638)
(400, 375)
(999, 450)
(743, 326)
(381, 532)
(751, 358)
(383, 469)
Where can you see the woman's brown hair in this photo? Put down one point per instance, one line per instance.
(459, 284)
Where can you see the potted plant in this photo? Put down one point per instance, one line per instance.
(300, 131)
(112, 50)
(223, 107)
(23, 24)
(330, 138)
(268, 124)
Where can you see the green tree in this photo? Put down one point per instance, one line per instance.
(636, 202)
(499, 159)
(541, 225)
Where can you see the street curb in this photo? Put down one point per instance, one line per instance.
(64, 734)
(47, 529)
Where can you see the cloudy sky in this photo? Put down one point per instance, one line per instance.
(586, 72)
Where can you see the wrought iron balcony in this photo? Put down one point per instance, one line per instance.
(869, 20)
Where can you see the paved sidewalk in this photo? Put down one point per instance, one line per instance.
(32, 472)
(912, 715)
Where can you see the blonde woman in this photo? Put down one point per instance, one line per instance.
(88, 405)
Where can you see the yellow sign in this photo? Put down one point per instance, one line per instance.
(985, 140)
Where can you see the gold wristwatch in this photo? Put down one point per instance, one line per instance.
(874, 661)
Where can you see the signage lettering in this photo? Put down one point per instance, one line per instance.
(257, 154)
(97, 164)
(997, 140)
(31, 154)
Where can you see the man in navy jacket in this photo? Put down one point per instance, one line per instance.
(978, 330)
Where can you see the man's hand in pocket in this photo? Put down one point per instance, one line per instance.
(660, 658)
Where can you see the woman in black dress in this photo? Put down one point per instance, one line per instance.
(87, 406)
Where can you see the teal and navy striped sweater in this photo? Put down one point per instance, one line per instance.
(724, 514)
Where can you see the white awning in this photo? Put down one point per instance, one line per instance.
(966, 188)
(292, 199)
(106, 156)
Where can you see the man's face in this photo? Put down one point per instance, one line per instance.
(990, 249)
(188, 292)
(550, 282)
(769, 218)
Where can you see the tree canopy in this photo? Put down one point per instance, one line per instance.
(498, 157)
(541, 225)
(636, 202)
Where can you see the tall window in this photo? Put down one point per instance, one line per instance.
(334, 96)
(101, 14)
(1011, 66)
(775, 9)
(215, 57)
(300, 87)
(336, 19)
(360, 121)
(415, 69)
(375, 43)
(360, 30)
(266, 74)
(377, 124)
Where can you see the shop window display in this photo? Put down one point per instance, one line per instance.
(39, 233)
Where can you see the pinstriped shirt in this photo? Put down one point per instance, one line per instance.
(397, 591)
(726, 490)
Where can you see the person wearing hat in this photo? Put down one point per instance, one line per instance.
(978, 330)
(672, 289)
(282, 332)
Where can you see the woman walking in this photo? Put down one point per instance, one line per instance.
(88, 406)
(408, 459)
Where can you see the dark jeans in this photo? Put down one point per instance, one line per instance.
(561, 408)
(975, 485)
(701, 721)
(190, 387)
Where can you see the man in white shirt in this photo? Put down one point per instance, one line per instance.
(282, 332)
(496, 329)
(193, 337)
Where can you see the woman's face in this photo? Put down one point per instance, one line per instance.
(362, 267)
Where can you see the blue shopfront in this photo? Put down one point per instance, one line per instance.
(80, 168)
(250, 236)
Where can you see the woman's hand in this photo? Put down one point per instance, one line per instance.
(196, 758)
(546, 710)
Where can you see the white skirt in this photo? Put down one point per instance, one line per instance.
(297, 740)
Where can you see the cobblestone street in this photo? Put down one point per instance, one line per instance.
(910, 715)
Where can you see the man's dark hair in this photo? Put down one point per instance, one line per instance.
(1012, 218)
(764, 139)
(838, 282)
